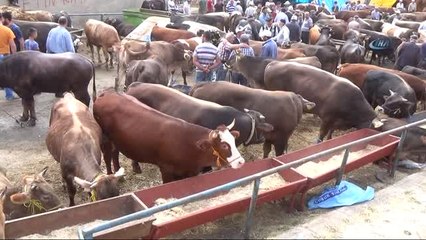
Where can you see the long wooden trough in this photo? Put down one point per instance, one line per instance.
(293, 182)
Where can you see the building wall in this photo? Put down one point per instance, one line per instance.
(78, 6)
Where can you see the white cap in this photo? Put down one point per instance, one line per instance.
(287, 3)
(265, 33)
(293, 18)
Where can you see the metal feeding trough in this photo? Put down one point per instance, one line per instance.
(372, 151)
(294, 182)
(107, 209)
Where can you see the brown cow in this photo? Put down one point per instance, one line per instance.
(103, 36)
(175, 56)
(415, 16)
(33, 196)
(286, 105)
(169, 34)
(339, 103)
(346, 15)
(283, 54)
(395, 31)
(150, 70)
(74, 140)
(327, 55)
(356, 73)
(178, 148)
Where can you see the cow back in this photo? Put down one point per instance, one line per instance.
(101, 34)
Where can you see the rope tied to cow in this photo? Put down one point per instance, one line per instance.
(219, 158)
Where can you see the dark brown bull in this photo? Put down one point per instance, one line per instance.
(352, 51)
(74, 140)
(339, 103)
(327, 55)
(32, 72)
(103, 36)
(346, 15)
(146, 71)
(178, 148)
(169, 34)
(286, 105)
(32, 196)
(356, 73)
(418, 72)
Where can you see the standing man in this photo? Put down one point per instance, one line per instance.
(408, 54)
(230, 6)
(271, 27)
(294, 29)
(251, 10)
(202, 7)
(400, 5)
(59, 39)
(205, 59)
(283, 37)
(307, 24)
(19, 39)
(335, 8)
(186, 7)
(412, 7)
(375, 14)
(244, 50)
(281, 15)
(269, 47)
(7, 47)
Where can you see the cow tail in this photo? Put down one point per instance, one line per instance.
(94, 80)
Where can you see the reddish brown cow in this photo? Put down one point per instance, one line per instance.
(170, 34)
(103, 36)
(191, 43)
(356, 73)
(180, 149)
(283, 54)
(74, 140)
(32, 196)
(345, 15)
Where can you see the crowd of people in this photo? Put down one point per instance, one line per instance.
(11, 41)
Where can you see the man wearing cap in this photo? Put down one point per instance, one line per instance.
(225, 49)
(281, 15)
(288, 5)
(408, 54)
(244, 50)
(307, 24)
(251, 10)
(269, 47)
(283, 37)
(294, 29)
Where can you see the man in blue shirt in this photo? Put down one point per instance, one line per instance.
(269, 47)
(59, 39)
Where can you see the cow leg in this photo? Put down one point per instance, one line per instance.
(135, 166)
(98, 49)
(25, 114)
(107, 58)
(171, 81)
(184, 77)
(324, 130)
(115, 160)
(267, 146)
(71, 189)
(111, 60)
(166, 176)
(107, 149)
(329, 134)
(280, 147)
(92, 52)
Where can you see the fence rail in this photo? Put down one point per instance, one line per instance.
(88, 233)
(102, 15)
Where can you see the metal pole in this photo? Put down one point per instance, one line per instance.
(398, 153)
(102, 17)
(341, 170)
(88, 233)
(252, 207)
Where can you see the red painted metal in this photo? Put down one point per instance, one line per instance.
(387, 146)
(186, 187)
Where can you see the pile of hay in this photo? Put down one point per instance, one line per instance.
(19, 14)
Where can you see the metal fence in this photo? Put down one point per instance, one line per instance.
(88, 233)
(80, 18)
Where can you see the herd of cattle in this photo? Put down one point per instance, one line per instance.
(187, 134)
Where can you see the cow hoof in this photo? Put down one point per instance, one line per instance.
(23, 119)
(31, 122)
(137, 169)
(59, 95)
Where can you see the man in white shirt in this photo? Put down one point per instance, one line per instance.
(400, 5)
(281, 15)
(186, 8)
(412, 7)
(283, 37)
(251, 10)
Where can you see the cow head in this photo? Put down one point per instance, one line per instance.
(259, 127)
(221, 142)
(38, 195)
(103, 186)
(396, 106)
(189, 64)
(327, 31)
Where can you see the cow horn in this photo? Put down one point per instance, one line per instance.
(86, 185)
(43, 172)
(391, 92)
(246, 110)
(262, 117)
(119, 173)
(186, 56)
(230, 126)
(404, 99)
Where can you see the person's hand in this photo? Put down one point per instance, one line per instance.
(206, 69)
(244, 45)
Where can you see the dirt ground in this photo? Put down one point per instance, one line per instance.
(23, 150)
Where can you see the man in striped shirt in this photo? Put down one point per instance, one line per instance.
(230, 7)
(245, 50)
(205, 59)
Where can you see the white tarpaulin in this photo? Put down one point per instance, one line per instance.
(143, 31)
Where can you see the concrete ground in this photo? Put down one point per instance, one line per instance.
(396, 212)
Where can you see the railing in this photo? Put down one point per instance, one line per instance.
(88, 233)
(102, 15)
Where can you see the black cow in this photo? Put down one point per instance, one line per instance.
(324, 38)
(43, 29)
(421, 73)
(32, 72)
(380, 45)
(219, 20)
(122, 28)
(352, 51)
(56, 16)
(391, 92)
(154, 4)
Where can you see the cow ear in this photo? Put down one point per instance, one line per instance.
(235, 133)
(265, 127)
(3, 193)
(86, 185)
(19, 198)
(43, 172)
(204, 144)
